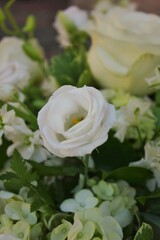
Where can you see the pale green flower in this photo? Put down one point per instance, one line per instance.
(8, 237)
(80, 231)
(18, 210)
(83, 199)
(118, 210)
(91, 214)
(21, 230)
(105, 191)
(61, 231)
(106, 226)
(5, 224)
(128, 193)
(110, 229)
(36, 231)
(96, 238)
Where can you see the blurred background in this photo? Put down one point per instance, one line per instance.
(45, 11)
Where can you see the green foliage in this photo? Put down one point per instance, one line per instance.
(153, 195)
(145, 232)
(43, 170)
(22, 176)
(13, 28)
(113, 154)
(154, 219)
(71, 68)
(133, 175)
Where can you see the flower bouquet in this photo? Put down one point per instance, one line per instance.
(80, 132)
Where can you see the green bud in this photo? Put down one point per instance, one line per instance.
(32, 52)
(30, 24)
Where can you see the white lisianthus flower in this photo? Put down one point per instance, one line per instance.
(84, 199)
(13, 58)
(125, 49)
(14, 74)
(75, 121)
(66, 21)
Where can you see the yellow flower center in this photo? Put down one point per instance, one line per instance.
(76, 120)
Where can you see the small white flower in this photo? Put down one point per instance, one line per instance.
(84, 199)
(7, 118)
(135, 115)
(28, 143)
(75, 121)
(151, 161)
(72, 17)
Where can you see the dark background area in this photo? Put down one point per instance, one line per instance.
(45, 11)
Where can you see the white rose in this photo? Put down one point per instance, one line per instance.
(11, 52)
(125, 49)
(66, 20)
(75, 121)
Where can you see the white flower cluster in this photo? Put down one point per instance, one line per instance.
(27, 142)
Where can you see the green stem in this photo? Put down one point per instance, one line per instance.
(12, 20)
(86, 162)
(6, 30)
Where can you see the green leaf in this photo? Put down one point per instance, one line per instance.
(2, 16)
(145, 232)
(133, 175)
(19, 167)
(71, 67)
(85, 79)
(113, 154)
(143, 199)
(43, 170)
(152, 218)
